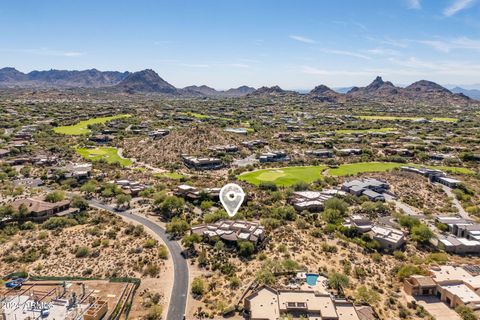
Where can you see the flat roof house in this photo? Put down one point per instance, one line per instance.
(274, 156)
(312, 200)
(232, 231)
(372, 188)
(267, 303)
(202, 163)
(454, 285)
(389, 238)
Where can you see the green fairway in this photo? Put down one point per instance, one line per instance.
(110, 155)
(398, 118)
(445, 119)
(284, 176)
(82, 127)
(170, 175)
(204, 116)
(291, 175)
(452, 170)
(360, 131)
(361, 167)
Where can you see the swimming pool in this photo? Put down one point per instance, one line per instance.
(311, 279)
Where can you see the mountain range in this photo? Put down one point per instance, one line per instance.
(149, 82)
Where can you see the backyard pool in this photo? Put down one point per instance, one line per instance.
(311, 279)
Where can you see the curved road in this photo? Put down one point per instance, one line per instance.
(178, 299)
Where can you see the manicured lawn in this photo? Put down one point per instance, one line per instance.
(360, 131)
(170, 175)
(110, 155)
(291, 175)
(452, 170)
(82, 127)
(204, 116)
(395, 118)
(361, 167)
(445, 119)
(284, 176)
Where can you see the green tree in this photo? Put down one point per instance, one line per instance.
(198, 286)
(177, 227)
(189, 241)
(171, 206)
(123, 199)
(338, 281)
(365, 295)
(55, 196)
(422, 233)
(154, 312)
(466, 313)
(79, 202)
(245, 248)
(337, 204)
(332, 216)
(89, 187)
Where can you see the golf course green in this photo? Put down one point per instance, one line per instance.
(109, 154)
(399, 118)
(291, 175)
(284, 176)
(82, 127)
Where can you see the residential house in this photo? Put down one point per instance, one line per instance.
(321, 153)
(267, 303)
(372, 188)
(274, 156)
(202, 163)
(348, 152)
(312, 201)
(231, 231)
(362, 224)
(39, 210)
(389, 238)
(454, 285)
(254, 144)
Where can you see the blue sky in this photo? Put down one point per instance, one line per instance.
(226, 43)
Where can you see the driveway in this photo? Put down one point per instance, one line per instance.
(178, 299)
(456, 203)
(438, 309)
(407, 209)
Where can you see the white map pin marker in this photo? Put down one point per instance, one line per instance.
(231, 197)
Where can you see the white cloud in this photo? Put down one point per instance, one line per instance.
(383, 52)
(194, 65)
(302, 39)
(457, 6)
(414, 4)
(447, 45)
(346, 53)
(46, 52)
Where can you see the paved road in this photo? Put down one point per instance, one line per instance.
(409, 210)
(456, 203)
(178, 299)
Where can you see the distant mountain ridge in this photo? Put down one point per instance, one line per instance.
(472, 93)
(144, 81)
(91, 78)
(148, 81)
(211, 92)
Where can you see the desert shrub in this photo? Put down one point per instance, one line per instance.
(163, 252)
(149, 243)
(81, 252)
(58, 223)
(198, 286)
